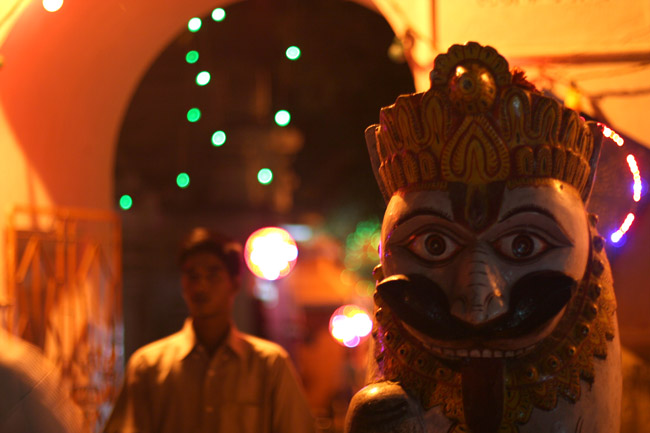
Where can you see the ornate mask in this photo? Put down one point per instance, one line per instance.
(495, 308)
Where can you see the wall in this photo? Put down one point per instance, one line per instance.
(65, 82)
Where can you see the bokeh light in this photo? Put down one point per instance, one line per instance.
(300, 232)
(202, 78)
(618, 234)
(126, 202)
(218, 138)
(194, 24)
(219, 14)
(183, 180)
(192, 57)
(637, 185)
(349, 325)
(292, 53)
(193, 115)
(362, 246)
(609, 133)
(364, 288)
(267, 292)
(265, 176)
(282, 118)
(270, 253)
(52, 5)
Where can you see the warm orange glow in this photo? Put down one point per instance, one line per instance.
(270, 253)
(573, 99)
(609, 133)
(349, 324)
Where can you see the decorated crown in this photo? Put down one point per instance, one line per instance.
(478, 124)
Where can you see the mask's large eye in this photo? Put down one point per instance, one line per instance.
(433, 246)
(521, 246)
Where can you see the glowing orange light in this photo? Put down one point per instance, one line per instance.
(618, 234)
(609, 133)
(270, 253)
(349, 324)
(636, 175)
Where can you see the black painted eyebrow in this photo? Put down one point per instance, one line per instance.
(529, 208)
(424, 211)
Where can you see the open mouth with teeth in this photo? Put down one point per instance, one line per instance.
(452, 354)
(478, 354)
(536, 303)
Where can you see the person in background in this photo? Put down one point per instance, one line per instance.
(209, 376)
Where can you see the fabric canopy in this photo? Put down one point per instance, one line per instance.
(594, 54)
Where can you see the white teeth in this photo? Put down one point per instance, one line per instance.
(478, 353)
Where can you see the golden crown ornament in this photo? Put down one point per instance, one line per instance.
(477, 124)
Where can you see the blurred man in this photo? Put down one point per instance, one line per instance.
(209, 377)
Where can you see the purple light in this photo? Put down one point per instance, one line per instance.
(353, 342)
(618, 234)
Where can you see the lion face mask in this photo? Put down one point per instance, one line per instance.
(494, 305)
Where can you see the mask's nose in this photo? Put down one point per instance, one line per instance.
(478, 290)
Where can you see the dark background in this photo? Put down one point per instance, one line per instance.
(334, 91)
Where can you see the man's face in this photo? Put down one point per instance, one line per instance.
(208, 288)
(541, 228)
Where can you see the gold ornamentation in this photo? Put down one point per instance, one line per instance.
(479, 124)
(555, 369)
(472, 89)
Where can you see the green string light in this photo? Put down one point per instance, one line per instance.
(218, 14)
(265, 176)
(292, 53)
(192, 57)
(218, 138)
(126, 202)
(193, 115)
(194, 24)
(282, 118)
(202, 78)
(183, 180)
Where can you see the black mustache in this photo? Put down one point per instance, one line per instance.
(420, 303)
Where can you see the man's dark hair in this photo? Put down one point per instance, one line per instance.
(202, 240)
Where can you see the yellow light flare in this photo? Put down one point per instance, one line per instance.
(609, 133)
(349, 325)
(270, 253)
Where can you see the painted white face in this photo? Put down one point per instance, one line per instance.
(537, 228)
